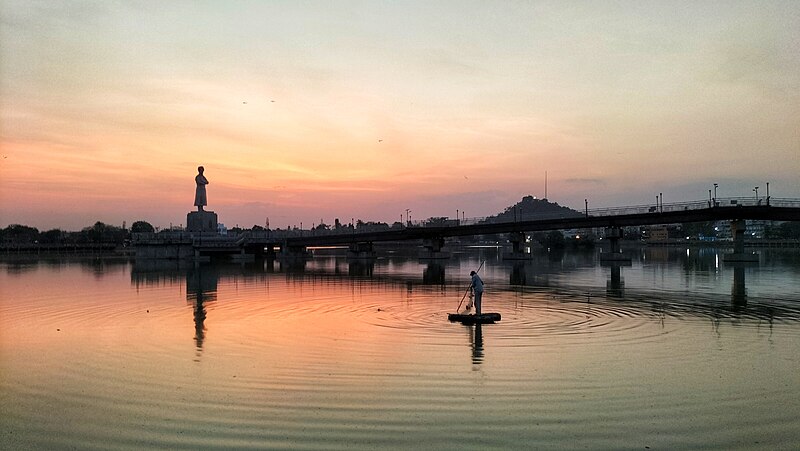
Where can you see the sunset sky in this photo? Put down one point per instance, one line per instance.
(302, 111)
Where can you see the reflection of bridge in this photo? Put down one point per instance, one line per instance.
(294, 243)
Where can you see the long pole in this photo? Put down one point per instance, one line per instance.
(470, 286)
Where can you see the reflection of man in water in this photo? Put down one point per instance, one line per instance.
(200, 199)
(477, 343)
(476, 286)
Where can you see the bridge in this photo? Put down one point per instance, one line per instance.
(294, 243)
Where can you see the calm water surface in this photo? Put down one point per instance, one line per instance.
(679, 350)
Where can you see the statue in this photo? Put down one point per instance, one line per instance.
(201, 220)
(200, 199)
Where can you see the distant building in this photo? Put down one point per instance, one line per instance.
(658, 233)
(756, 228)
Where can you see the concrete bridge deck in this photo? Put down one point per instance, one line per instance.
(577, 222)
(255, 242)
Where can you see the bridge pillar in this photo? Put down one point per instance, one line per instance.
(738, 289)
(738, 229)
(432, 248)
(433, 274)
(360, 267)
(294, 252)
(361, 250)
(243, 256)
(612, 236)
(518, 241)
(615, 286)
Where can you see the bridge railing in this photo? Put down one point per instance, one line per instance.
(278, 235)
(727, 202)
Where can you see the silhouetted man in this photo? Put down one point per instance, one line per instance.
(476, 286)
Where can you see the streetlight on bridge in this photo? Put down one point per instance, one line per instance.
(768, 194)
(755, 190)
(715, 194)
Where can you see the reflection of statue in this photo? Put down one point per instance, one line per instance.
(199, 321)
(201, 287)
(200, 199)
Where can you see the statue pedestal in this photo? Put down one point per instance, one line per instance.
(201, 221)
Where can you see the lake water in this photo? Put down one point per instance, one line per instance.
(679, 350)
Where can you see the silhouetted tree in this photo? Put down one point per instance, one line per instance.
(555, 239)
(17, 233)
(52, 236)
(142, 227)
(104, 233)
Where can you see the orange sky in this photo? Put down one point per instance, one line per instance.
(306, 111)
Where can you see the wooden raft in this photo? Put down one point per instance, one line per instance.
(483, 318)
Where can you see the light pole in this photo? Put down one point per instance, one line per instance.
(755, 190)
(456, 216)
(715, 194)
(408, 216)
(768, 194)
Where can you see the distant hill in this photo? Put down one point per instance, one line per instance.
(531, 209)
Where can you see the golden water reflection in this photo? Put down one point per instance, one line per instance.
(334, 355)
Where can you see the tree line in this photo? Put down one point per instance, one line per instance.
(97, 233)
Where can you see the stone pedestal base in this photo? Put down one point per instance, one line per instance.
(201, 221)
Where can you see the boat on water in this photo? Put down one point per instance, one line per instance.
(483, 318)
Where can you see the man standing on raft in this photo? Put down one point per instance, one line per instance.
(476, 287)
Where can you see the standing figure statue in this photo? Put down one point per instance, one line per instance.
(200, 199)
